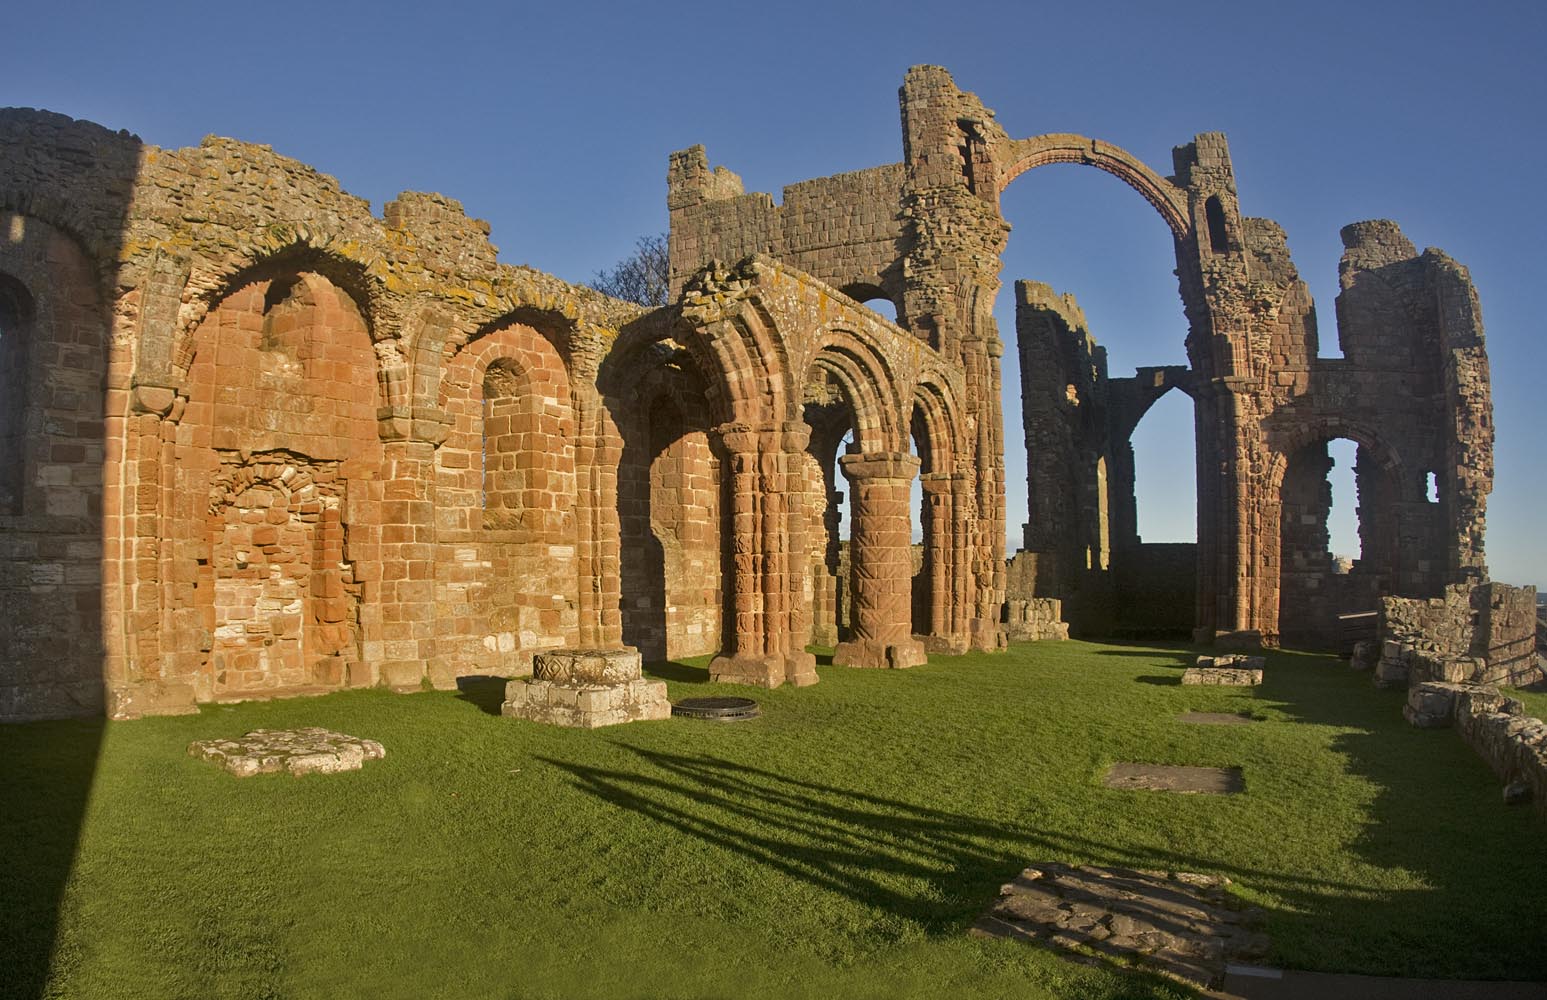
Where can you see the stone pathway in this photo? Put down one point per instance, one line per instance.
(1183, 925)
(298, 751)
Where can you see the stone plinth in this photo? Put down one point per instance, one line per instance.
(298, 751)
(1243, 671)
(585, 689)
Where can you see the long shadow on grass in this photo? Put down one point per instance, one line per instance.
(1436, 815)
(937, 868)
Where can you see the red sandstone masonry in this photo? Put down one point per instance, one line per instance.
(274, 444)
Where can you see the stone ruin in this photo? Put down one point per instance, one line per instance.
(255, 440)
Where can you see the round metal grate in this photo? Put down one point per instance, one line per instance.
(716, 709)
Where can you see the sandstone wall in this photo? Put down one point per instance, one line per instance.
(1482, 634)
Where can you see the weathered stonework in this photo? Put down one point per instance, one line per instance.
(1184, 925)
(1482, 634)
(1225, 670)
(585, 689)
(255, 441)
(1511, 742)
(296, 751)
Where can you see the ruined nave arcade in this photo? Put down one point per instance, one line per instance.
(259, 441)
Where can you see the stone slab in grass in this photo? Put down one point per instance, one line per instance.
(1232, 670)
(298, 751)
(1182, 925)
(1176, 778)
(1216, 718)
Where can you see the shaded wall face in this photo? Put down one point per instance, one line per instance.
(52, 362)
(685, 520)
(506, 573)
(671, 521)
(273, 524)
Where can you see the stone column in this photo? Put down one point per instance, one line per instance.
(766, 627)
(598, 452)
(826, 604)
(942, 563)
(880, 561)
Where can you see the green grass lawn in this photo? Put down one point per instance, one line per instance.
(1535, 700)
(839, 846)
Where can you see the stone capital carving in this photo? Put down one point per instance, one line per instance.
(879, 465)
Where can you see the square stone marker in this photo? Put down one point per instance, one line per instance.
(1216, 718)
(1176, 778)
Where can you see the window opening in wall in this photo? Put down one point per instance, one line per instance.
(1343, 514)
(882, 306)
(845, 447)
(1164, 462)
(1432, 488)
(1214, 215)
(966, 150)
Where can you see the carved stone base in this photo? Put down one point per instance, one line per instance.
(586, 688)
(868, 653)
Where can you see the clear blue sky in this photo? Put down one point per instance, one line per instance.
(554, 121)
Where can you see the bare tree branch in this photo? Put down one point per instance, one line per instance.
(642, 278)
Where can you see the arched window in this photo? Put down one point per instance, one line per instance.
(15, 334)
(1214, 213)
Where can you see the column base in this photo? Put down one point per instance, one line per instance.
(1241, 639)
(987, 636)
(869, 653)
(585, 689)
(950, 645)
(798, 669)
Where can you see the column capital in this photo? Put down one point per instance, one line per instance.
(937, 483)
(879, 465)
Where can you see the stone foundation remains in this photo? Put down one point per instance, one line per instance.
(1225, 670)
(296, 751)
(1484, 634)
(1512, 743)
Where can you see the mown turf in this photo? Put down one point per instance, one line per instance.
(1535, 699)
(836, 847)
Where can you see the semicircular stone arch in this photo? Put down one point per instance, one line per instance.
(1038, 151)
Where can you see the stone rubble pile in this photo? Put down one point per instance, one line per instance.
(312, 750)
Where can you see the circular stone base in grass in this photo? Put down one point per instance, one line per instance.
(716, 709)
